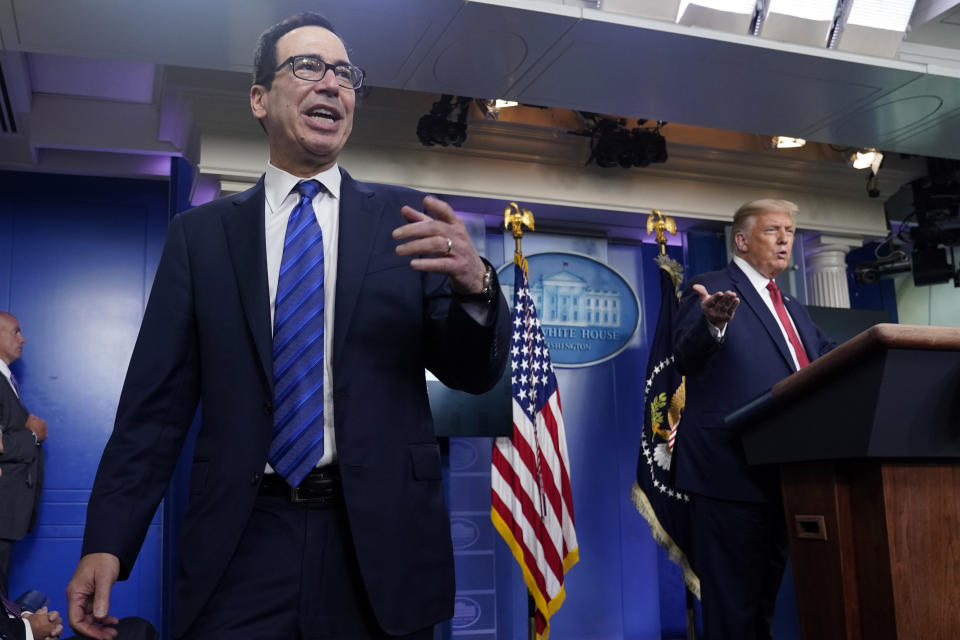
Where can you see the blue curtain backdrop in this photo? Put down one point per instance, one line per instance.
(77, 258)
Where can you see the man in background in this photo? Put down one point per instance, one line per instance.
(736, 336)
(28, 625)
(303, 313)
(21, 454)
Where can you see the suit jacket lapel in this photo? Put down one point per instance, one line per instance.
(6, 389)
(750, 297)
(360, 214)
(243, 225)
(9, 388)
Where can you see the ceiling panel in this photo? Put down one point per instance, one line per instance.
(599, 66)
(486, 50)
(218, 34)
(941, 139)
(546, 53)
(924, 109)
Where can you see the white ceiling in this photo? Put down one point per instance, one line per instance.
(555, 54)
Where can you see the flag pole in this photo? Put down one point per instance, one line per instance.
(516, 219)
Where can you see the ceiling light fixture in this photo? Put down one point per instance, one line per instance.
(806, 22)
(785, 142)
(503, 104)
(867, 159)
(735, 16)
(889, 15)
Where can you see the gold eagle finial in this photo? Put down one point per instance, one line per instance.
(660, 223)
(516, 219)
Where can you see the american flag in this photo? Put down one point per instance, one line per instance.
(532, 506)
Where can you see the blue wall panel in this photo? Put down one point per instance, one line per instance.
(78, 258)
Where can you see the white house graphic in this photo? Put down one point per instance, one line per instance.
(565, 299)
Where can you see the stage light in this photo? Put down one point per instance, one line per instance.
(437, 128)
(784, 142)
(867, 159)
(503, 104)
(612, 145)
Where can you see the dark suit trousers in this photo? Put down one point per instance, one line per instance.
(293, 576)
(740, 551)
(6, 553)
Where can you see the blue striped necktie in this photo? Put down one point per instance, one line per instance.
(13, 383)
(297, 443)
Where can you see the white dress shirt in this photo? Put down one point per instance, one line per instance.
(759, 282)
(279, 203)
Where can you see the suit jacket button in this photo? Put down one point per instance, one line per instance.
(255, 478)
(267, 407)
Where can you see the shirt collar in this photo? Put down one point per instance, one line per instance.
(757, 279)
(4, 369)
(277, 184)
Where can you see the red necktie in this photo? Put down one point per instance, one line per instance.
(787, 325)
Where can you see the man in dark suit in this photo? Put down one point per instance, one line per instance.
(21, 453)
(361, 547)
(732, 345)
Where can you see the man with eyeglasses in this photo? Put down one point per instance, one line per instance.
(302, 313)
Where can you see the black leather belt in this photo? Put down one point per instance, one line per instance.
(321, 486)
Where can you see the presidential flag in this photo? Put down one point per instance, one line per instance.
(531, 502)
(665, 508)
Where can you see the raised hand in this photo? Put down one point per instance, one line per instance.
(719, 307)
(439, 236)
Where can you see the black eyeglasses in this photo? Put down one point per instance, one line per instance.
(313, 69)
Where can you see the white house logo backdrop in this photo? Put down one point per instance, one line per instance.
(588, 311)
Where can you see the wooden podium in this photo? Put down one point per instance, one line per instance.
(868, 443)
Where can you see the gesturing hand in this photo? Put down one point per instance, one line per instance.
(88, 596)
(719, 307)
(442, 235)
